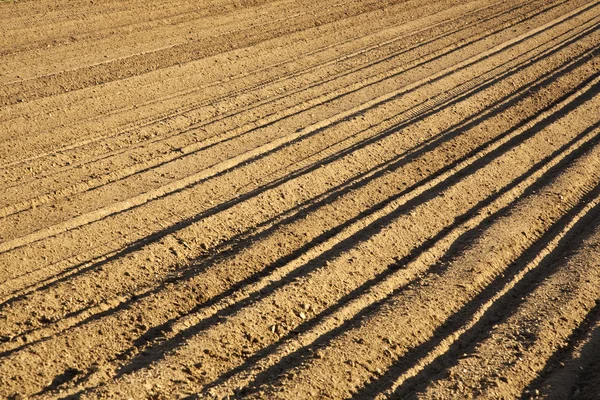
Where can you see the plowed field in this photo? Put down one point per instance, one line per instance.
(300, 199)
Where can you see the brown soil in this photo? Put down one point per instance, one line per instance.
(300, 199)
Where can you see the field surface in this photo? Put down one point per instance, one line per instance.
(286, 199)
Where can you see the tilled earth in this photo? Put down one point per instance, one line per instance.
(300, 199)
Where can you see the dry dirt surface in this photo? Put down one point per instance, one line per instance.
(288, 199)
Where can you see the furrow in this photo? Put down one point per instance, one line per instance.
(378, 154)
(512, 352)
(211, 282)
(349, 263)
(130, 203)
(371, 345)
(268, 104)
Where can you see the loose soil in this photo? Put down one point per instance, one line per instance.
(299, 199)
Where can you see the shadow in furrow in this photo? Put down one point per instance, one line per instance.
(500, 311)
(158, 351)
(451, 49)
(510, 100)
(586, 359)
(370, 65)
(127, 305)
(297, 357)
(273, 100)
(308, 207)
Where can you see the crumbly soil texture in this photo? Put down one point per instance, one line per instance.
(299, 199)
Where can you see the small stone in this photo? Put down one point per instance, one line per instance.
(5, 338)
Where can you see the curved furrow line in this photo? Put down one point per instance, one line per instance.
(288, 199)
(78, 315)
(378, 289)
(437, 100)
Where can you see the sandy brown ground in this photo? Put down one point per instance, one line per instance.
(300, 199)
